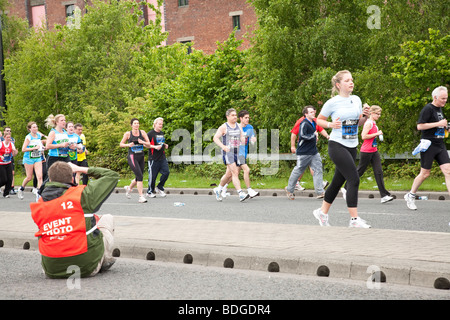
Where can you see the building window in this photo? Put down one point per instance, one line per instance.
(70, 10)
(236, 22)
(189, 46)
(183, 3)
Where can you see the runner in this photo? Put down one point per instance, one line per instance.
(369, 153)
(33, 150)
(229, 137)
(433, 124)
(7, 152)
(294, 143)
(57, 140)
(307, 155)
(250, 137)
(347, 114)
(157, 161)
(135, 140)
(81, 156)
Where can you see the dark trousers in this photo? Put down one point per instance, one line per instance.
(155, 167)
(373, 158)
(6, 177)
(84, 177)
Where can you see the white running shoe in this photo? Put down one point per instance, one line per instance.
(243, 196)
(224, 193)
(142, 199)
(386, 199)
(127, 192)
(34, 191)
(299, 187)
(290, 195)
(151, 195)
(358, 223)
(322, 217)
(410, 198)
(161, 193)
(218, 194)
(344, 193)
(20, 194)
(252, 193)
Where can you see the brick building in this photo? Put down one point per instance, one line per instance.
(202, 22)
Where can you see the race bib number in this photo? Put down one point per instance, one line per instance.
(234, 142)
(62, 151)
(137, 148)
(7, 157)
(35, 154)
(440, 133)
(350, 129)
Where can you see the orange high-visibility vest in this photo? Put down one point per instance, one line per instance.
(61, 222)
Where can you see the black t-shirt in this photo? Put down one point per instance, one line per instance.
(156, 138)
(431, 113)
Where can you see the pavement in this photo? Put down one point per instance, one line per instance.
(415, 258)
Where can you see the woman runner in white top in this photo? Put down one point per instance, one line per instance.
(347, 114)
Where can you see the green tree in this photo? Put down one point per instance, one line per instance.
(299, 45)
(202, 89)
(421, 66)
(101, 66)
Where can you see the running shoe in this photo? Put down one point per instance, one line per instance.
(20, 194)
(224, 193)
(344, 193)
(410, 198)
(320, 196)
(151, 195)
(243, 196)
(299, 187)
(127, 192)
(290, 195)
(218, 194)
(322, 217)
(142, 199)
(161, 193)
(358, 223)
(252, 193)
(386, 199)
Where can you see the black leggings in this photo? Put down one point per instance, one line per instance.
(344, 159)
(374, 158)
(136, 163)
(6, 177)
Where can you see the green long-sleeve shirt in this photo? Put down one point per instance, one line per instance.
(92, 197)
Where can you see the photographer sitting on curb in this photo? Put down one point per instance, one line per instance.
(69, 233)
